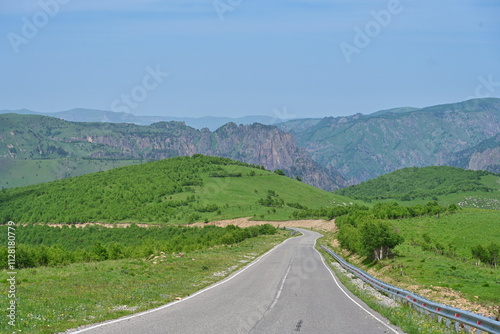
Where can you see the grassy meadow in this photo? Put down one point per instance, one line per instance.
(435, 259)
(53, 299)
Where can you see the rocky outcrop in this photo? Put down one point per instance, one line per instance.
(362, 147)
(44, 137)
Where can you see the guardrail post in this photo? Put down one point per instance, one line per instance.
(457, 318)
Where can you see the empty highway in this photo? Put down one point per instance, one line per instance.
(288, 290)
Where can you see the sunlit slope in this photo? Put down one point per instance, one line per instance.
(466, 188)
(183, 189)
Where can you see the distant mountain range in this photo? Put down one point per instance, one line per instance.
(34, 137)
(329, 153)
(103, 116)
(362, 147)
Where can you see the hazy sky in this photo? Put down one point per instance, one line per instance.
(284, 58)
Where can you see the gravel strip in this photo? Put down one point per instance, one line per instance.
(381, 299)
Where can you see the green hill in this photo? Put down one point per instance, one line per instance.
(182, 189)
(36, 148)
(450, 184)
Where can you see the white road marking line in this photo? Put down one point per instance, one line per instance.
(180, 301)
(355, 302)
(281, 288)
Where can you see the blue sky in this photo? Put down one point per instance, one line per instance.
(293, 58)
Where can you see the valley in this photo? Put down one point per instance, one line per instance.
(328, 153)
(196, 218)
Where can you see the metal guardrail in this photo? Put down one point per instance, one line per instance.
(294, 231)
(458, 316)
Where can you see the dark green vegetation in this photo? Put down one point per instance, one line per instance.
(38, 245)
(183, 189)
(421, 183)
(53, 299)
(362, 147)
(437, 256)
(488, 255)
(368, 231)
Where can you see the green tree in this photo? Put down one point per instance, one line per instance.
(378, 239)
(480, 254)
(279, 172)
(493, 250)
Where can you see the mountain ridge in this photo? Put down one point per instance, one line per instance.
(105, 116)
(362, 147)
(329, 153)
(42, 137)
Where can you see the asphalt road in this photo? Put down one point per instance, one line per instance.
(288, 290)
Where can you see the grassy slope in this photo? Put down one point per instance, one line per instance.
(475, 189)
(451, 279)
(146, 193)
(462, 231)
(46, 170)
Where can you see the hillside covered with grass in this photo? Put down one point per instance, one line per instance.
(180, 190)
(426, 183)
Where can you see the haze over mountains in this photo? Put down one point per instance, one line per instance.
(92, 115)
(328, 153)
(363, 147)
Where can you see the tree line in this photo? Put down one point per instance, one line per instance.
(410, 183)
(158, 191)
(42, 245)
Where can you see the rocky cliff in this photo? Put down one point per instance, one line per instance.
(39, 137)
(362, 147)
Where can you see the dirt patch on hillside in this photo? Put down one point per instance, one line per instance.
(326, 225)
(80, 225)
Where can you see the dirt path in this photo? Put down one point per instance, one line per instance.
(326, 225)
(245, 222)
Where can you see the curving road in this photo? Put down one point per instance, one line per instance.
(288, 290)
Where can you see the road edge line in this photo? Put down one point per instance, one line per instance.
(227, 279)
(342, 289)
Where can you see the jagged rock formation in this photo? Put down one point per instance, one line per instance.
(362, 147)
(39, 137)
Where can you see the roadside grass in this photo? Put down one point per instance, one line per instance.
(449, 277)
(54, 299)
(404, 317)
